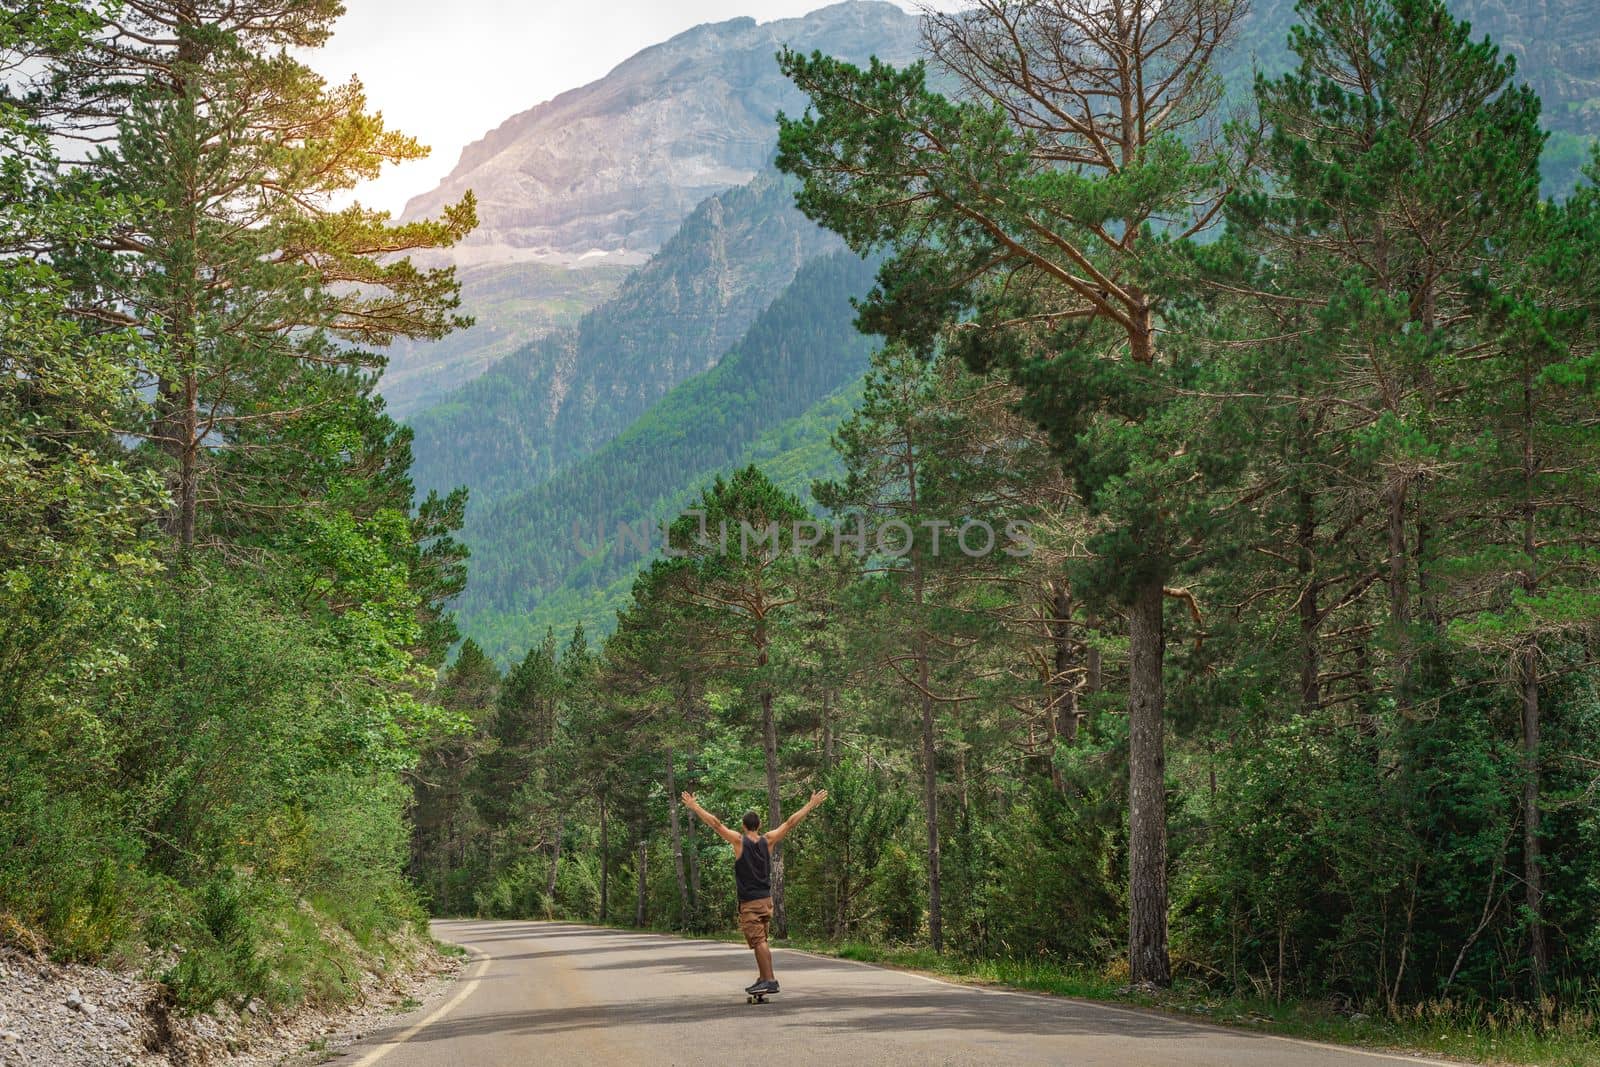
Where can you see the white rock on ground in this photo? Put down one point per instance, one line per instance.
(67, 1015)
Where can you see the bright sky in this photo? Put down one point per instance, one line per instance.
(449, 72)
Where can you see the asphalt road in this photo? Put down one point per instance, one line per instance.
(554, 993)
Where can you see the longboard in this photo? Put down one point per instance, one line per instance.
(757, 998)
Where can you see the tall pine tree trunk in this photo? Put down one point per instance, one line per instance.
(1309, 612)
(1064, 685)
(639, 906)
(1399, 596)
(555, 863)
(930, 752)
(1147, 797)
(769, 745)
(827, 729)
(178, 432)
(188, 495)
(677, 837)
(930, 798)
(694, 852)
(605, 865)
(1093, 677)
(1532, 861)
(180, 417)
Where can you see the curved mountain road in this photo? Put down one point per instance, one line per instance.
(556, 993)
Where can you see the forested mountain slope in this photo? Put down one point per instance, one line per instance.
(560, 398)
(800, 352)
(794, 454)
(513, 305)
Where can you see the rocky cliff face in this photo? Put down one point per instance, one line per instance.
(514, 304)
(1557, 45)
(610, 170)
(579, 190)
(558, 398)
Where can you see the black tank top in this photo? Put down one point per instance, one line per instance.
(753, 870)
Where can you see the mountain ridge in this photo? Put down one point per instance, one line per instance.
(801, 349)
(608, 170)
(553, 401)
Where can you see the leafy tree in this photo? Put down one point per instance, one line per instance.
(849, 837)
(74, 507)
(215, 759)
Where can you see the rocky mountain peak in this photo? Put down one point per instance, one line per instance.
(607, 172)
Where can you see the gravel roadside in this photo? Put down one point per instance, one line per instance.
(67, 1015)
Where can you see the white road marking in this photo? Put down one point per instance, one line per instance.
(480, 965)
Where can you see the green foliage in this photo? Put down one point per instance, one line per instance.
(510, 303)
(1358, 427)
(215, 641)
(1358, 423)
(1053, 892)
(853, 862)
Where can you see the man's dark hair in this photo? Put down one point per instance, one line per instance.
(752, 821)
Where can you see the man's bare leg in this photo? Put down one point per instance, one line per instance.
(764, 961)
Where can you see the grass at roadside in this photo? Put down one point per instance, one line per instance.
(1510, 1034)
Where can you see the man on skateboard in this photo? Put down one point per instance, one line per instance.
(752, 869)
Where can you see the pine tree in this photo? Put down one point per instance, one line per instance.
(261, 297)
(1528, 563)
(1394, 154)
(921, 468)
(655, 658)
(446, 831)
(1035, 212)
(735, 580)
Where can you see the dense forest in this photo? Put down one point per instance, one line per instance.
(1295, 694)
(1236, 625)
(220, 606)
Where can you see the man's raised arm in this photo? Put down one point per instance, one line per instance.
(709, 819)
(797, 818)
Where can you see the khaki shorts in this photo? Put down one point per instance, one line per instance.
(754, 918)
